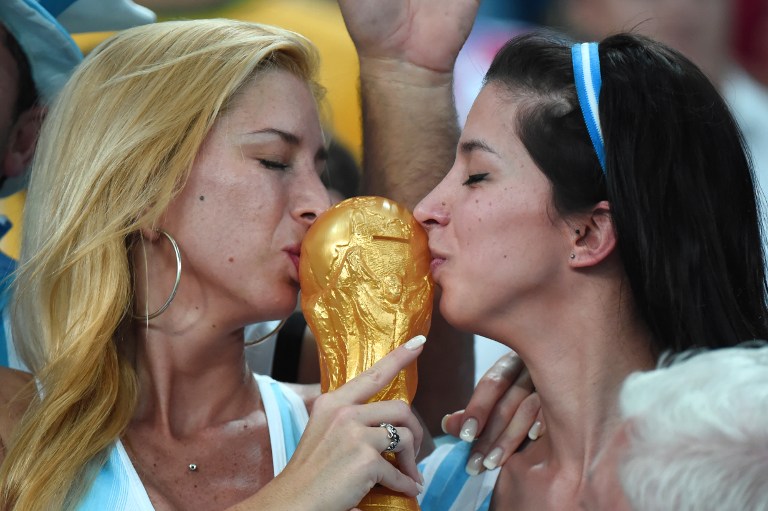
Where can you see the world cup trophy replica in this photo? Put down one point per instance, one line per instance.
(366, 289)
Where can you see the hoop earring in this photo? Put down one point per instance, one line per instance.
(167, 303)
(266, 336)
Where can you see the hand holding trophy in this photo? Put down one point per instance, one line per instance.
(366, 289)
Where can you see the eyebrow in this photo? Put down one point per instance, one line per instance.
(469, 146)
(290, 138)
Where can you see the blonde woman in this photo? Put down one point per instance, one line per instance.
(175, 178)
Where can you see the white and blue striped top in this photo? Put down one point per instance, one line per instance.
(118, 488)
(448, 487)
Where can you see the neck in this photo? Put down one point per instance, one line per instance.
(578, 358)
(192, 379)
(578, 387)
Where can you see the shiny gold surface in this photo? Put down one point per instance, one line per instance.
(366, 289)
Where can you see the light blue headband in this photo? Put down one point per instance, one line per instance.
(586, 72)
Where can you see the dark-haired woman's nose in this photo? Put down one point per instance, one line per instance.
(431, 211)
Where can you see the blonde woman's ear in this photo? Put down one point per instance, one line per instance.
(150, 234)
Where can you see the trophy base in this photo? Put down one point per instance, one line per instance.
(383, 499)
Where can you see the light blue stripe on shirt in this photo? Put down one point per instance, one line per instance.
(448, 487)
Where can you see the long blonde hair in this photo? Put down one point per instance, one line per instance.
(114, 151)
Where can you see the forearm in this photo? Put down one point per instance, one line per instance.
(410, 129)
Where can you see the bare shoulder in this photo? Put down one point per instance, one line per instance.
(307, 392)
(16, 393)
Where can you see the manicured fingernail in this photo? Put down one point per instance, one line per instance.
(474, 464)
(535, 430)
(414, 343)
(444, 422)
(468, 430)
(492, 460)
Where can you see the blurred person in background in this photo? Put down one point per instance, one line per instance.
(37, 55)
(705, 31)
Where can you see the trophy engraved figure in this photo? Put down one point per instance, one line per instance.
(366, 289)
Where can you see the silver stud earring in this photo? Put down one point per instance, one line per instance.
(573, 256)
(578, 231)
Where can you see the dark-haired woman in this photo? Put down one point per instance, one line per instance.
(600, 211)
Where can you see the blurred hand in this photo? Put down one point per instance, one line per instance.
(503, 411)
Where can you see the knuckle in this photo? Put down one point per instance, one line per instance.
(375, 375)
(322, 403)
(508, 408)
(402, 409)
(530, 405)
(345, 414)
(495, 379)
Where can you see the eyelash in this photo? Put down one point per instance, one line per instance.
(273, 165)
(474, 178)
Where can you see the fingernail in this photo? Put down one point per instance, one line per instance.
(492, 460)
(421, 478)
(414, 343)
(468, 430)
(474, 464)
(535, 430)
(420, 487)
(443, 422)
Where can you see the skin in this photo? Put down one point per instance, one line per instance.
(603, 491)
(253, 191)
(198, 403)
(18, 137)
(17, 142)
(327, 448)
(9, 81)
(502, 258)
(407, 50)
(492, 185)
(16, 392)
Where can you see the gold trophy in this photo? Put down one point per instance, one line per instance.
(366, 289)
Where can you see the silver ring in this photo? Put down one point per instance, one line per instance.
(394, 438)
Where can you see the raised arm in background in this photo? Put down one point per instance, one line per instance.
(407, 49)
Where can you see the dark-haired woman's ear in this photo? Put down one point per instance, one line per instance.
(594, 240)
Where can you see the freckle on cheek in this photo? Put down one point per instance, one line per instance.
(202, 197)
(231, 259)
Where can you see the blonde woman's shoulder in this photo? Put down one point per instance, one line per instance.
(16, 393)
